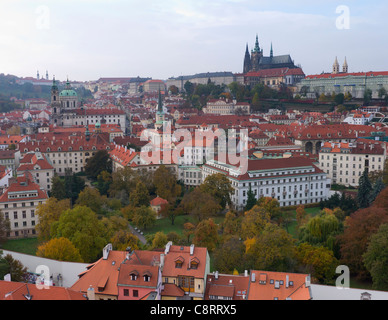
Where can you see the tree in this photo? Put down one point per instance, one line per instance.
(321, 230)
(376, 258)
(188, 230)
(91, 197)
(251, 200)
(271, 205)
(254, 222)
(73, 185)
(200, 204)
(144, 217)
(168, 211)
(140, 196)
(9, 265)
(364, 190)
(231, 224)
(58, 189)
(81, 226)
(229, 255)
(101, 161)
(300, 216)
(317, 261)
(166, 184)
(104, 180)
(377, 188)
(273, 250)
(359, 227)
(122, 239)
(123, 180)
(206, 235)
(160, 240)
(218, 186)
(61, 249)
(48, 213)
(339, 98)
(4, 228)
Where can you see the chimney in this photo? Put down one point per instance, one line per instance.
(106, 250)
(246, 273)
(90, 293)
(216, 275)
(287, 281)
(191, 249)
(162, 261)
(307, 281)
(168, 246)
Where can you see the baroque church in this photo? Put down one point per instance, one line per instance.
(256, 60)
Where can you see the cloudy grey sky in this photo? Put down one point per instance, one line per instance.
(89, 39)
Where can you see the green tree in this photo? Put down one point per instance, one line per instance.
(48, 213)
(364, 190)
(101, 161)
(273, 250)
(140, 196)
(122, 239)
(144, 217)
(253, 222)
(81, 226)
(91, 197)
(58, 189)
(4, 228)
(160, 240)
(9, 265)
(377, 188)
(218, 186)
(376, 258)
(229, 255)
(251, 200)
(200, 204)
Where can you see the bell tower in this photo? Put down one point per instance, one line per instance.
(55, 103)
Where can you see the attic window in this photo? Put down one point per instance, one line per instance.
(133, 275)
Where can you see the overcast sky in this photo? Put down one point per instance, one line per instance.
(89, 39)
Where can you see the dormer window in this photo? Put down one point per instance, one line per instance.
(179, 262)
(133, 275)
(194, 263)
(147, 276)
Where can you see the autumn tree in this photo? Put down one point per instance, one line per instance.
(81, 226)
(140, 195)
(188, 230)
(231, 224)
(318, 261)
(166, 184)
(123, 180)
(160, 240)
(229, 255)
(300, 216)
(48, 213)
(144, 217)
(122, 239)
(253, 222)
(376, 257)
(206, 234)
(58, 188)
(218, 186)
(273, 250)
(251, 200)
(200, 204)
(91, 197)
(270, 205)
(359, 227)
(61, 249)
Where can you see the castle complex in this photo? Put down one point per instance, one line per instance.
(256, 60)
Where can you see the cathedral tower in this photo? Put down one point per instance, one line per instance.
(345, 67)
(247, 61)
(336, 67)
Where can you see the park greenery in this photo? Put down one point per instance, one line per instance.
(81, 218)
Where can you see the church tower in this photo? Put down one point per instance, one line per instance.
(55, 103)
(247, 61)
(159, 114)
(256, 55)
(336, 67)
(345, 67)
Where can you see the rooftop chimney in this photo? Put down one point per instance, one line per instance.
(287, 281)
(106, 250)
(90, 293)
(216, 275)
(191, 249)
(168, 246)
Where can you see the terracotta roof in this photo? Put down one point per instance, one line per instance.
(23, 291)
(170, 268)
(273, 285)
(126, 269)
(172, 290)
(158, 201)
(232, 286)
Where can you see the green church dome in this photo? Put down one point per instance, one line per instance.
(65, 93)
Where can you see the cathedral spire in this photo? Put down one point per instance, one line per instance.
(257, 47)
(160, 104)
(271, 54)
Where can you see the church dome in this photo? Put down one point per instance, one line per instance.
(68, 93)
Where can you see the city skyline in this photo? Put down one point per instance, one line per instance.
(85, 40)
